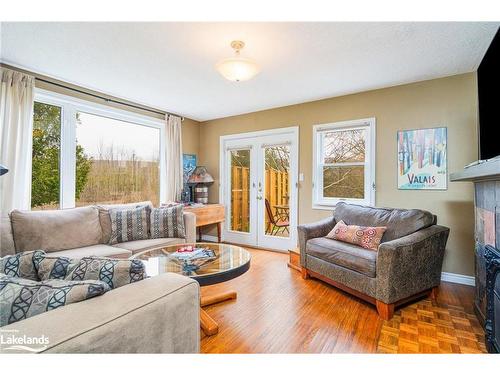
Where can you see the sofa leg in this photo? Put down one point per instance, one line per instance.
(305, 274)
(385, 311)
(433, 293)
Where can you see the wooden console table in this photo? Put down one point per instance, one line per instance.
(208, 214)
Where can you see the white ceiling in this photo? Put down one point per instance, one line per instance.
(170, 66)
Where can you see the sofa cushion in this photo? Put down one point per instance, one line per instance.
(93, 251)
(399, 222)
(343, 254)
(168, 222)
(129, 225)
(114, 272)
(143, 245)
(105, 219)
(366, 237)
(22, 298)
(54, 230)
(22, 264)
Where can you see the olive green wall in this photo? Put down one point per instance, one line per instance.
(450, 102)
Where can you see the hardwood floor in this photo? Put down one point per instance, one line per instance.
(278, 312)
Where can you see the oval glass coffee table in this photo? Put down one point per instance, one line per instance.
(231, 261)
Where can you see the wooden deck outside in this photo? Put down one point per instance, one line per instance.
(277, 188)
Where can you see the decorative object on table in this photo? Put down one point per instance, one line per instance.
(3, 170)
(188, 167)
(422, 159)
(186, 195)
(192, 258)
(201, 178)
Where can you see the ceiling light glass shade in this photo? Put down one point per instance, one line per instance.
(237, 69)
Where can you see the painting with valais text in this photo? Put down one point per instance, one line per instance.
(422, 159)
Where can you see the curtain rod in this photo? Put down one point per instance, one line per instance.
(42, 78)
(108, 100)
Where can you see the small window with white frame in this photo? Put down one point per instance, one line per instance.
(344, 163)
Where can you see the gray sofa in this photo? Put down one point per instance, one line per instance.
(406, 266)
(77, 232)
(156, 315)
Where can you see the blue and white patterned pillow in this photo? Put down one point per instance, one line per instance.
(168, 222)
(21, 298)
(114, 272)
(129, 225)
(22, 264)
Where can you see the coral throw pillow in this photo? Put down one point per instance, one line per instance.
(366, 237)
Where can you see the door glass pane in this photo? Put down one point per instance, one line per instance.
(277, 191)
(116, 161)
(344, 182)
(240, 190)
(46, 156)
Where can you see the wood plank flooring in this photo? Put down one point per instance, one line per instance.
(278, 312)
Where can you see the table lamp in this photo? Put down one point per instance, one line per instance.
(201, 178)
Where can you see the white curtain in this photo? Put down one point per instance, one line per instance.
(16, 125)
(173, 158)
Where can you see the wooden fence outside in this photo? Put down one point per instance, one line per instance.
(276, 192)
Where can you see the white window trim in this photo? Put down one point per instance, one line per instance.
(318, 201)
(69, 106)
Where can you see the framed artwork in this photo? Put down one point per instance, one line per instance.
(188, 165)
(422, 159)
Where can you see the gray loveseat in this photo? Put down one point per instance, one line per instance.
(406, 266)
(156, 315)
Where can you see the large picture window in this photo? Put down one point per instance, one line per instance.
(85, 153)
(344, 163)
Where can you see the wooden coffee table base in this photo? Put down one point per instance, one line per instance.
(208, 325)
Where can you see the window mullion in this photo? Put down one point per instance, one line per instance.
(68, 157)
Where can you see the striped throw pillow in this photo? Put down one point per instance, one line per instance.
(129, 225)
(168, 222)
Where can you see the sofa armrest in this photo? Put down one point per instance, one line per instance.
(157, 315)
(313, 230)
(410, 264)
(190, 227)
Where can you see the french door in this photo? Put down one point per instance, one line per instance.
(259, 177)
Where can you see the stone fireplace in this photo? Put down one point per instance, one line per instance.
(486, 179)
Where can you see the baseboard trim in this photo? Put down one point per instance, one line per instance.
(458, 279)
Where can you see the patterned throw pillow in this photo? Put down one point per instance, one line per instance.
(168, 222)
(22, 264)
(366, 237)
(114, 272)
(21, 298)
(129, 225)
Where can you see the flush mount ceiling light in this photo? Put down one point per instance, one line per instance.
(237, 68)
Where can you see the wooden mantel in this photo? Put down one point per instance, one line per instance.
(485, 171)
